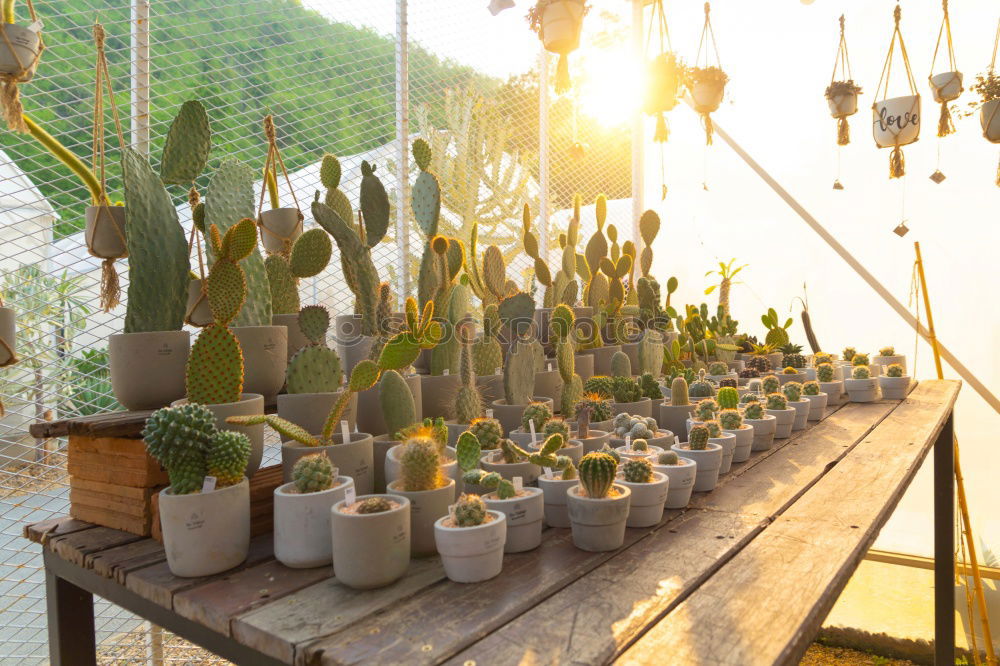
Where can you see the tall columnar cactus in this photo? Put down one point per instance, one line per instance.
(590, 407)
(488, 432)
(309, 255)
(792, 391)
(621, 366)
(313, 473)
(561, 330)
(215, 366)
(730, 419)
(185, 441)
(701, 388)
(754, 410)
(728, 397)
(487, 354)
(468, 402)
(651, 353)
(470, 511)
(679, 392)
(396, 400)
(698, 437)
(420, 464)
(315, 368)
(537, 413)
(519, 374)
(597, 474)
(637, 470)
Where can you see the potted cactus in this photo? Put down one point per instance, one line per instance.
(887, 356)
(801, 405)
(561, 326)
(513, 461)
(649, 492)
(861, 387)
(399, 411)
(471, 540)
(519, 383)
(701, 388)
(554, 488)
(536, 414)
(423, 482)
(371, 540)
(205, 511)
(826, 376)
(764, 425)
(523, 507)
(731, 421)
(640, 427)
(719, 370)
(724, 439)
(680, 472)
(673, 416)
(894, 382)
(817, 399)
(591, 408)
(302, 537)
(777, 406)
(437, 429)
(598, 507)
(308, 256)
(706, 455)
(467, 404)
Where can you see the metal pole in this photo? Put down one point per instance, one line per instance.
(403, 156)
(638, 126)
(944, 546)
(543, 149)
(140, 77)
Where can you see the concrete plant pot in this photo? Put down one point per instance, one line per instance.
(674, 417)
(743, 441)
(785, 419)
(784, 379)
(708, 462)
(510, 415)
(728, 443)
(834, 392)
(148, 369)
(310, 410)
(449, 466)
(884, 362)
(249, 404)
(472, 554)
(642, 407)
(352, 345)
(632, 454)
(23, 59)
(817, 405)
(493, 462)
(894, 388)
(661, 439)
(548, 384)
(302, 537)
(554, 493)
(584, 366)
(598, 525)
(862, 390)
(602, 358)
(296, 338)
(370, 550)
(369, 409)
(631, 350)
(763, 432)
(426, 507)
(437, 395)
(524, 514)
(104, 232)
(354, 459)
(381, 445)
(682, 476)
(646, 506)
(802, 408)
(205, 533)
(280, 228)
(265, 358)
(595, 440)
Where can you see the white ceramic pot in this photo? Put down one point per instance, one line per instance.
(742, 442)
(584, 365)
(885, 361)
(643, 407)
(380, 450)
(674, 417)
(561, 23)
(595, 440)
(449, 467)
(775, 360)
(371, 550)
(104, 232)
(661, 439)
(310, 410)
(265, 358)
(296, 338)
(437, 395)
(280, 227)
(817, 405)
(834, 392)
(802, 408)
(682, 476)
(598, 524)
(736, 366)
(249, 404)
(426, 507)
(896, 121)
(844, 105)
(509, 416)
(632, 454)
(862, 390)
(22, 60)
(369, 411)
(8, 333)
(206, 533)
(707, 96)
(808, 373)
(528, 472)
(894, 388)
(763, 432)
(946, 86)
(548, 384)
(989, 119)
(785, 421)
(523, 439)
(708, 460)
(354, 459)
(728, 443)
(524, 515)
(645, 509)
(302, 524)
(148, 369)
(472, 554)
(197, 312)
(554, 494)
(602, 358)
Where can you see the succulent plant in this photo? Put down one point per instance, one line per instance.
(701, 388)
(625, 389)
(770, 384)
(698, 437)
(621, 366)
(315, 368)
(730, 419)
(537, 413)
(600, 384)
(861, 372)
(519, 374)
(512, 453)
(597, 404)
(714, 428)
(706, 409)
(611, 452)
(488, 432)
(313, 473)
(792, 391)
(758, 363)
(810, 387)
(468, 451)
(636, 427)
(597, 474)
(640, 445)
(396, 400)
(749, 397)
(490, 481)
(859, 359)
(649, 387)
(679, 392)
(308, 256)
(556, 425)
(789, 371)
(776, 401)
(728, 397)
(420, 464)
(753, 410)
(793, 361)
(469, 401)
(848, 353)
(377, 504)
(824, 372)
(637, 470)
(887, 351)
(777, 334)
(894, 369)
(668, 458)
(749, 373)
(561, 329)
(718, 368)
(822, 357)
(185, 441)
(487, 354)
(470, 511)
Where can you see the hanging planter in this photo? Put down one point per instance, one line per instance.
(706, 84)
(665, 74)
(842, 94)
(279, 227)
(896, 120)
(946, 86)
(20, 49)
(558, 24)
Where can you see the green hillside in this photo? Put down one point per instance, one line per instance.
(330, 86)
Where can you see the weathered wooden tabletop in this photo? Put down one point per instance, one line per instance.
(744, 575)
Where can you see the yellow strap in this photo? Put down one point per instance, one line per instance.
(883, 82)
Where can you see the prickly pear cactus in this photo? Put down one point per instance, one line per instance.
(310, 254)
(329, 175)
(396, 400)
(426, 194)
(487, 354)
(188, 143)
(519, 374)
(315, 368)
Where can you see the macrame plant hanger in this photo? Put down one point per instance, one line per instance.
(987, 121)
(706, 42)
(897, 164)
(846, 105)
(110, 287)
(10, 95)
(664, 82)
(947, 90)
(270, 185)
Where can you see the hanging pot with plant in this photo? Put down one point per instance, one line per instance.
(706, 83)
(20, 51)
(946, 86)
(842, 94)
(279, 227)
(896, 120)
(558, 24)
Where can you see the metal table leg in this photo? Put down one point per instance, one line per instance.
(71, 623)
(944, 545)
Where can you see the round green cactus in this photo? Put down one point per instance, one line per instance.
(668, 458)
(556, 426)
(488, 432)
(859, 359)
(714, 429)
(625, 389)
(611, 452)
(810, 387)
(754, 411)
(597, 474)
(749, 397)
(770, 384)
(794, 360)
(887, 351)
(701, 387)
(730, 419)
(789, 370)
(894, 369)
(822, 357)
(640, 445)
(706, 409)
(792, 391)
(776, 401)
(469, 511)
(698, 437)
(861, 372)
(598, 404)
(313, 473)
(537, 413)
(637, 470)
(420, 464)
(728, 397)
(824, 372)
(621, 366)
(848, 353)
(718, 368)
(759, 363)
(600, 384)
(377, 504)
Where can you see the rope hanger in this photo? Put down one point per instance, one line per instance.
(945, 125)
(897, 165)
(271, 164)
(10, 96)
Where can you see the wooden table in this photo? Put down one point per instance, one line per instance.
(744, 575)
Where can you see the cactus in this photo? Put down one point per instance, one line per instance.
(640, 445)
(596, 404)
(488, 432)
(701, 388)
(447, 354)
(777, 334)
(887, 351)
(537, 413)
(651, 353)
(396, 400)
(309, 255)
(776, 401)
(861, 372)
(470, 511)
(606, 449)
(487, 354)
(313, 473)
(625, 389)
(728, 397)
(792, 391)
(185, 441)
(718, 368)
(556, 426)
(511, 452)
(859, 359)
(649, 387)
(698, 437)
(894, 369)
(730, 419)
(679, 392)
(824, 372)
(468, 402)
(420, 464)
(519, 374)
(714, 429)
(706, 410)
(754, 411)
(620, 365)
(468, 452)
(756, 385)
(848, 353)
(749, 373)
(749, 397)
(759, 363)
(794, 360)
(668, 458)
(597, 474)
(770, 384)
(561, 328)
(315, 368)
(542, 273)
(810, 387)
(822, 357)
(329, 175)
(637, 471)
(636, 427)
(789, 371)
(376, 504)
(601, 385)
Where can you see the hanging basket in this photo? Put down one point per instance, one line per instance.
(663, 91)
(843, 105)
(279, 229)
(561, 25)
(946, 86)
(707, 94)
(198, 312)
(989, 118)
(896, 121)
(20, 48)
(105, 232)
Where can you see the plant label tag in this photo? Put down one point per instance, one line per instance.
(496, 371)
(628, 442)
(518, 484)
(548, 472)
(36, 27)
(345, 433)
(531, 427)
(445, 373)
(548, 367)
(489, 413)
(208, 485)
(349, 496)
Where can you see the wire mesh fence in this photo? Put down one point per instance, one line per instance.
(327, 72)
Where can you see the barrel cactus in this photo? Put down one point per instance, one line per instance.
(759, 363)
(792, 391)
(617, 457)
(597, 474)
(420, 464)
(714, 428)
(679, 392)
(749, 397)
(861, 372)
(728, 397)
(770, 384)
(822, 357)
(887, 351)
(749, 373)
(313, 473)
(601, 384)
(848, 353)
(556, 425)
(640, 445)
(537, 413)
(668, 458)
(859, 359)
(706, 409)
(730, 419)
(637, 470)
(718, 368)
(701, 388)
(488, 432)
(753, 410)
(698, 438)
(824, 372)
(810, 387)
(470, 511)
(776, 401)
(598, 405)
(894, 369)
(649, 387)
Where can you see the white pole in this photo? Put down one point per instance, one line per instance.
(140, 77)
(638, 127)
(403, 157)
(543, 151)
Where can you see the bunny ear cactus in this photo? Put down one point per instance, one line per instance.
(468, 451)
(426, 194)
(215, 366)
(445, 356)
(309, 255)
(651, 353)
(519, 374)
(542, 273)
(561, 327)
(329, 175)
(649, 226)
(315, 368)
(487, 354)
(374, 206)
(777, 334)
(396, 400)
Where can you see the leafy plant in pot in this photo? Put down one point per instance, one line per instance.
(842, 98)
(205, 512)
(422, 482)
(471, 540)
(987, 86)
(598, 507)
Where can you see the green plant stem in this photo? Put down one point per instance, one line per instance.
(272, 187)
(8, 11)
(63, 154)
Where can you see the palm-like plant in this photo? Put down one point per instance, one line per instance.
(726, 273)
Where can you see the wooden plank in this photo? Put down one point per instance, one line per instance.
(43, 531)
(158, 585)
(88, 459)
(119, 447)
(115, 475)
(102, 515)
(324, 608)
(115, 563)
(112, 424)
(77, 546)
(789, 577)
(214, 604)
(645, 580)
(134, 495)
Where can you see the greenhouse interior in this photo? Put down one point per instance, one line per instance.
(499, 332)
